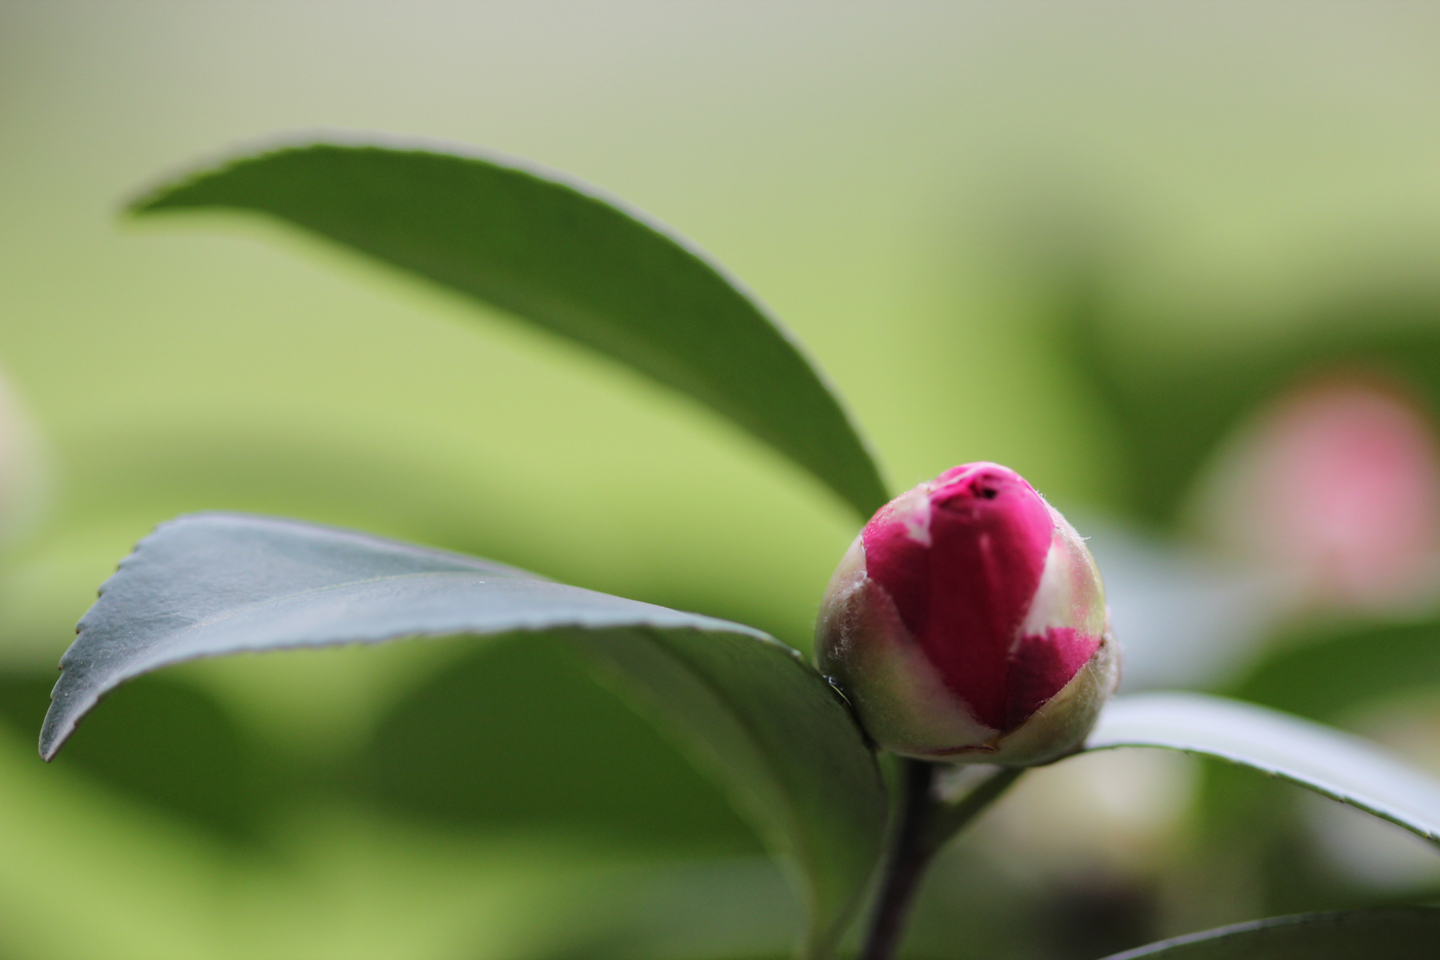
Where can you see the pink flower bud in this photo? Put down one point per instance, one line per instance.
(1337, 482)
(967, 622)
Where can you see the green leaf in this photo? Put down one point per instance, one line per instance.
(567, 257)
(1332, 763)
(752, 711)
(497, 739)
(161, 742)
(1324, 678)
(1395, 933)
(1172, 412)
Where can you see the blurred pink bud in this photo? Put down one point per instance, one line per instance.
(1339, 482)
(967, 622)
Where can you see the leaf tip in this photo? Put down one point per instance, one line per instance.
(54, 732)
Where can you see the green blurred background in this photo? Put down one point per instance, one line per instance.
(1081, 239)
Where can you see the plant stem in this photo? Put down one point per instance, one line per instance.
(925, 823)
(949, 819)
(908, 859)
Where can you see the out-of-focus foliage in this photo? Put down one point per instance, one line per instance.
(1327, 676)
(1249, 200)
(1397, 932)
(24, 487)
(1173, 415)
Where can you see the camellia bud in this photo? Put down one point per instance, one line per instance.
(967, 623)
(1336, 482)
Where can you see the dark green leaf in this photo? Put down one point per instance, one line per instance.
(1395, 933)
(1172, 414)
(1328, 761)
(161, 742)
(567, 257)
(751, 709)
(1323, 678)
(504, 737)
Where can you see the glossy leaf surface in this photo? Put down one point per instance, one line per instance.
(1395, 933)
(567, 257)
(1328, 761)
(751, 709)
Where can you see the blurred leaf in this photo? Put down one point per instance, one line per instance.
(1328, 761)
(24, 698)
(750, 708)
(564, 255)
(164, 743)
(723, 909)
(1171, 416)
(519, 735)
(1324, 678)
(1395, 933)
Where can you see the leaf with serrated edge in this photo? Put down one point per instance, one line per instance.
(1332, 763)
(561, 254)
(753, 710)
(1394, 933)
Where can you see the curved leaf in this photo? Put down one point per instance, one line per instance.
(1395, 933)
(565, 256)
(749, 706)
(1336, 764)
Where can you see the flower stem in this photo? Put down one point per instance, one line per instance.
(925, 823)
